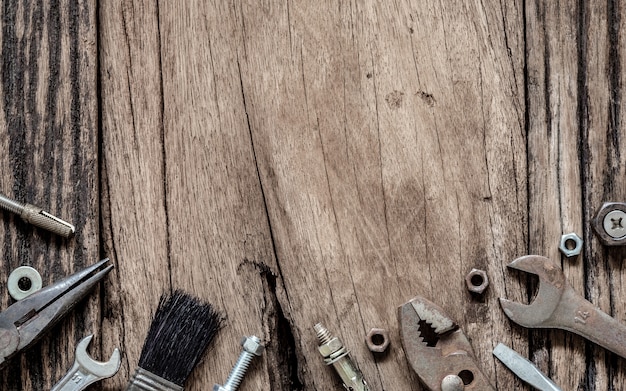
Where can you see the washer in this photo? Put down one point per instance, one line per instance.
(23, 282)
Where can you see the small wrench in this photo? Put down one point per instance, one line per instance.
(557, 305)
(86, 370)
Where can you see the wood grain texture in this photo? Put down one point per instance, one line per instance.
(49, 139)
(299, 162)
(574, 94)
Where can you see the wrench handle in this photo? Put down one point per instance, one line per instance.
(589, 321)
(75, 380)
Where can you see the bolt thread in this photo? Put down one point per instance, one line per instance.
(11, 205)
(323, 335)
(239, 370)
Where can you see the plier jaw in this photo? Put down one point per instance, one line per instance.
(436, 348)
(27, 320)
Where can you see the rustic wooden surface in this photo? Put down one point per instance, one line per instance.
(300, 162)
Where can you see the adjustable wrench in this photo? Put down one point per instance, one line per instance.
(86, 370)
(557, 305)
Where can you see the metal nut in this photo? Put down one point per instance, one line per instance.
(252, 345)
(377, 340)
(610, 224)
(477, 281)
(571, 245)
(330, 347)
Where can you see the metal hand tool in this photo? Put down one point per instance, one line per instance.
(524, 369)
(24, 322)
(37, 217)
(557, 305)
(86, 370)
(437, 349)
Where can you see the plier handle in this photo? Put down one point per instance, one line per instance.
(27, 320)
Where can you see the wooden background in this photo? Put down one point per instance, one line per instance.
(296, 162)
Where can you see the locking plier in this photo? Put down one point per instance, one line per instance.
(437, 349)
(27, 320)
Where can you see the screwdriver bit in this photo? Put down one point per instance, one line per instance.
(37, 217)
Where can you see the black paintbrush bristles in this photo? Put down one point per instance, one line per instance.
(182, 328)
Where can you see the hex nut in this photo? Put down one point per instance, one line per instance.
(330, 347)
(252, 345)
(610, 224)
(571, 245)
(477, 281)
(377, 340)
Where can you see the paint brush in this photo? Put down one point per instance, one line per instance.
(182, 328)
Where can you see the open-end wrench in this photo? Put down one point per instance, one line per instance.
(86, 370)
(557, 305)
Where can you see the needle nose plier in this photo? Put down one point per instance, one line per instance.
(27, 320)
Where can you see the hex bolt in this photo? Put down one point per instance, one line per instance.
(610, 224)
(252, 347)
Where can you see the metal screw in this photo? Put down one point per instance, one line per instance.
(615, 223)
(37, 217)
(251, 347)
(336, 354)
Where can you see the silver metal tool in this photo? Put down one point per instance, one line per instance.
(557, 305)
(27, 320)
(337, 355)
(37, 217)
(524, 369)
(86, 370)
(252, 347)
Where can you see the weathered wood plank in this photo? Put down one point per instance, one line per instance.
(49, 135)
(134, 210)
(177, 145)
(554, 180)
(390, 140)
(219, 237)
(574, 90)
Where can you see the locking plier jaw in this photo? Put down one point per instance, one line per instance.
(437, 348)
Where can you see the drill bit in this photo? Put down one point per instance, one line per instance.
(37, 217)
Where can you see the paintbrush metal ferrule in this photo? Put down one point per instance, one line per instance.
(144, 380)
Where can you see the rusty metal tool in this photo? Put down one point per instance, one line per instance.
(438, 350)
(24, 322)
(86, 370)
(524, 369)
(37, 217)
(557, 305)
